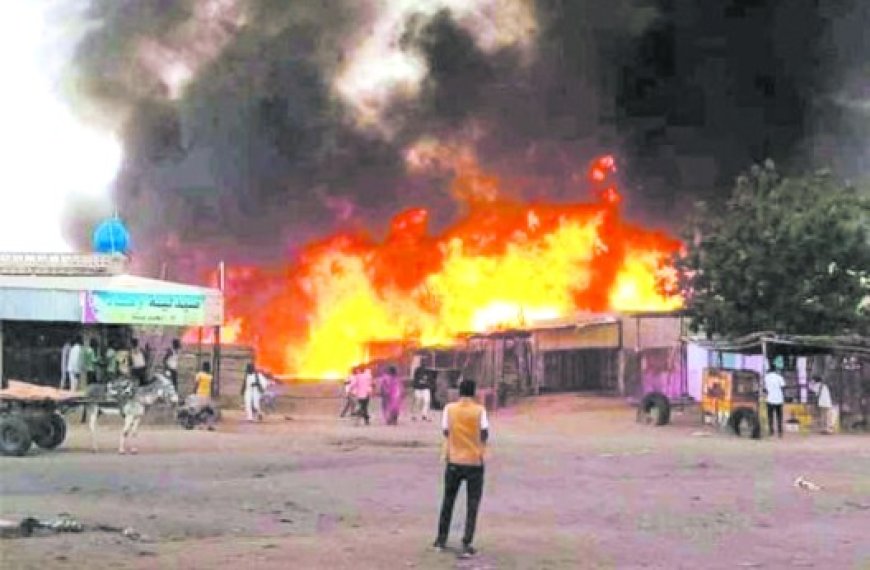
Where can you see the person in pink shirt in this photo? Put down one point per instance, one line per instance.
(361, 387)
(391, 396)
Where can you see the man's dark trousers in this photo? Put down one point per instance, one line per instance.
(774, 410)
(363, 411)
(453, 477)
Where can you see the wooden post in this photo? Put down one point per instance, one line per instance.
(216, 347)
(198, 352)
(765, 365)
(2, 375)
(620, 372)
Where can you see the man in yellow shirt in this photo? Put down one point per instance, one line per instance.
(466, 428)
(203, 381)
(200, 400)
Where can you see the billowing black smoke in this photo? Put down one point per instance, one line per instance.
(259, 155)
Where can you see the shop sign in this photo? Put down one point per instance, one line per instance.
(134, 308)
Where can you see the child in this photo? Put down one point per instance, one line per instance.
(201, 397)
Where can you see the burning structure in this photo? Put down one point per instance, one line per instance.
(504, 264)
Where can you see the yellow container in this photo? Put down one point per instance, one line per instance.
(802, 413)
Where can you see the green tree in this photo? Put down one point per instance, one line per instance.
(789, 255)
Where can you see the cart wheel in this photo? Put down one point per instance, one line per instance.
(745, 422)
(14, 436)
(186, 419)
(49, 431)
(655, 408)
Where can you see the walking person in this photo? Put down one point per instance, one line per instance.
(773, 385)
(824, 403)
(349, 403)
(138, 364)
(170, 361)
(361, 388)
(422, 395)
(466, 429)
(252, 391)
(391, 396)
(74, 364)
(201, 397)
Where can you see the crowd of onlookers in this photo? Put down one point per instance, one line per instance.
(361, 386)
(83, 363)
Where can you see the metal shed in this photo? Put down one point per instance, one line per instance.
(75, 290)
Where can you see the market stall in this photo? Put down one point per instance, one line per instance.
(45, 300)
(734, 398)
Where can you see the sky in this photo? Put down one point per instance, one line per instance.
(51, 157)
(243, 128)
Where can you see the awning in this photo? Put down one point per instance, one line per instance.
(801, 345)
(108, 299)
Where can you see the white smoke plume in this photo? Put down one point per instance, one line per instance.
(177, 58)
(50, 158)
(380, 70)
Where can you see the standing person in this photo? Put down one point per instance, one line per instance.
(361, 387)
(422, 394)
(349, 403)
(89, 367)
(110, 363)
(74, 364)
(89, 359)
(466, 429)
(170, 361)
(825, 404)
(773, 385)
(416, 363)
(138, 364)
(64, 359)
(201, 397)
(391, 396)
(252, 389)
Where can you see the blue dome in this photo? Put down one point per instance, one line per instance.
(111, 236)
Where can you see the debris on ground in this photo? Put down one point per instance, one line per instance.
(626, 453)
(701, 434)
(803, 483)
(30, 526)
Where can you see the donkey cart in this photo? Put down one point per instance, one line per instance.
(33, 414)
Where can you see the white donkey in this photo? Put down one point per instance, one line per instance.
(122, 397)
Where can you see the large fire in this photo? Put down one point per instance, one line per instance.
(505, 263)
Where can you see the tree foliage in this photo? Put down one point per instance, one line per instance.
(790, 255)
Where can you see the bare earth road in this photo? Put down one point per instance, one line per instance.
(572, 482)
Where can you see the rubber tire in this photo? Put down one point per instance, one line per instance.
(659, 401)
(50, 431)
(14, 436)
(186, 419)
(745, 414)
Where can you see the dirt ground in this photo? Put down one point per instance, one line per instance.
(571, 482)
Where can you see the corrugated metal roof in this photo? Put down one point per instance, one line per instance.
(59, 298)
(40, 305)
(796, 344)
(123, 283)
(576, 321)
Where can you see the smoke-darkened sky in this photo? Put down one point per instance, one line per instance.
(252, 126)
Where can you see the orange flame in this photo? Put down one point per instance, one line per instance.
(505, 263)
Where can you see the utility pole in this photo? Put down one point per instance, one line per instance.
(216, 347)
